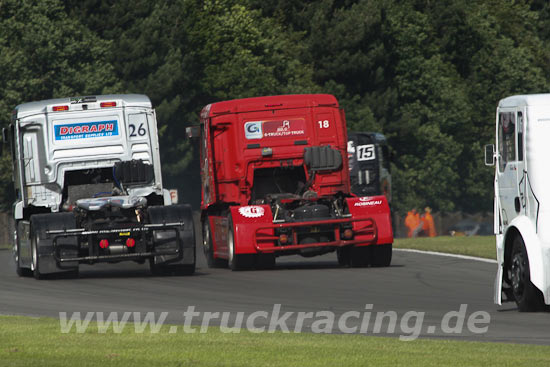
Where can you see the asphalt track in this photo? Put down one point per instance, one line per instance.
(431, 284)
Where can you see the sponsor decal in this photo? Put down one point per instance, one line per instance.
(86, 130)
(252, 211)
(253, 130)
(274, 128)
(367, 201)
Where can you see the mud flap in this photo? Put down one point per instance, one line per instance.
(67, 246)
(182, 238)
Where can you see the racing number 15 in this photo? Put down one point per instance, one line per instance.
(323, 124)
(140, 131)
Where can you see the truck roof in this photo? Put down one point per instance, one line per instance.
(268, 103)
(31, 108)
(525, 100)
(378, 138)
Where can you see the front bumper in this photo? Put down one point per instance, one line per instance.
(365, 233)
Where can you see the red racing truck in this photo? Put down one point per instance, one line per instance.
(275, 181)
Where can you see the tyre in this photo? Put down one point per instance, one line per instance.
(237, 262)
(176, 269)
(208, 247)
(343, 254)
(35, 258)
(528, 298)
(361, 257)
(21, 271)
(265, 261)
(381, 256)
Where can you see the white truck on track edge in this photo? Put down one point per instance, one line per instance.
(522, 200)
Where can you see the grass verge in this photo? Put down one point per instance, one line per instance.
(480, 246)
(26, 341)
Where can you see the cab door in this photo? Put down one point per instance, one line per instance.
(510, 164)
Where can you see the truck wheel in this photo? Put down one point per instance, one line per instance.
(237, 262)
(40, 223)
(343, 254)
(178, 269)
(35, 259)
(22, 272)
(265, 261)
(382, 255)
(361, 256)
(527, 296)
(208, 247)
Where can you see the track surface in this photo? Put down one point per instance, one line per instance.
(415, 282)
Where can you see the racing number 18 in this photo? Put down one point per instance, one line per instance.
(325, 124)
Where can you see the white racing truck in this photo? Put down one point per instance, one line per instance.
(88, 188)
(522, 200)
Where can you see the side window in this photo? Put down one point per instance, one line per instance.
(520, 135)
(506, 139)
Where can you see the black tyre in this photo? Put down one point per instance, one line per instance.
(176, 269)
(343, 254)
(21, 271)
(265, 261)
(35, 258)
(40, 241)
(527, 296)
(237, 262)
(361, 257)
(381, 256)
(208, 247)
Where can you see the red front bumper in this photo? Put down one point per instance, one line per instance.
(365, 233)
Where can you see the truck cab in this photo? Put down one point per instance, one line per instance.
(522, 200)
(275, 182)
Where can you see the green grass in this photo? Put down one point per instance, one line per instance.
(480, 246)
(26, 341)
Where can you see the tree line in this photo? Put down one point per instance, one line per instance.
(425, 73)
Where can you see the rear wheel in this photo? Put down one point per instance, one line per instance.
(527, 296)
(35, 258)
(343, 254)
(361, 257)
(178, 269)
(208, 246)
(21, 271)
(265, 261)
(237, 261)
(382, 255)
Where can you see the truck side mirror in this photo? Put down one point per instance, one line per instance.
(193, 132)
(490, 155)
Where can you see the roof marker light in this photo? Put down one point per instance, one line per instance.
(107, 104)
(60, 108)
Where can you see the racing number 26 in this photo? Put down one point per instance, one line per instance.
(140, 131)
(323, 124)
